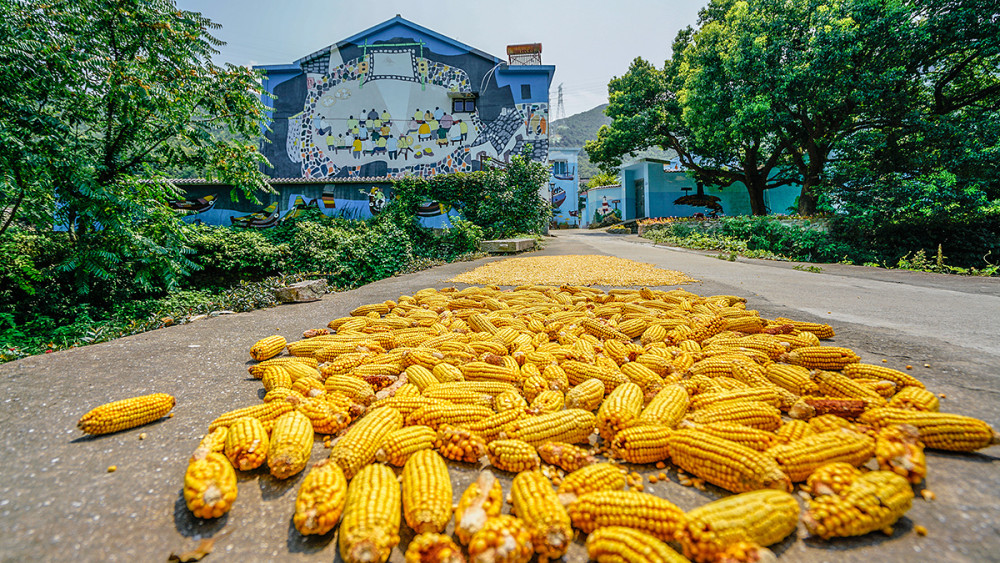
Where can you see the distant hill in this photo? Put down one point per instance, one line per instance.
(577, 129)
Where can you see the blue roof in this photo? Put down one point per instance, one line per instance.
(399, 21)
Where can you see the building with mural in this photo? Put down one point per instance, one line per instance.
(564, 185)
(396, 99)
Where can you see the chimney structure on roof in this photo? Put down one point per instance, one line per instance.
(524, 54)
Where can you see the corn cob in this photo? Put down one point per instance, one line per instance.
(557, 378)
(618, 544)
(209, 484)
(433, 548)
(898, 449)
(436, 415)
(645, 378)
(447, 373)
(655, 516)
(884, 389)
(829, 423)
(822, 331)
(509, 400)
(879, 373)
(832, 478)
(619, 410)
(400, 444)
(726, 464)
(298, 370)
(915, 398)
(547, 401)
(276, 377)
(667, 408)
(380, 308)
(308, 386)
(653, 333)
(357, 447)
(370, 528)
(760, 518)
(460, 396)
(290, 445)
(579, 372)
(483, 499)
(420, 376)
(512, 455)
(459, 444)
(793, 430)
(257, 370)
(736, 396)
(603, 331)
(588, 395)
(126, 413)
(426, 492)
(642, 444)
(502, 539)
(747, 324)
(321, 498)
(752, 438)
(836, 385)
(267, 413)
(753, 414)
(405, 404)
(565, 456)
(537, 505)
(267, 348)
(875, 501)
(829, 358)
(492, 388)
(356, 389)
(490, 427)
(800, 458)
(657, 364)
(596, 477)
(246, 444)
(214, 441)
(482, 371)
(570, 425)
(809, 407)
(939, 431)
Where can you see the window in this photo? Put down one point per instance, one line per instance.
(525, 91)
(463, 106)
(560, 167)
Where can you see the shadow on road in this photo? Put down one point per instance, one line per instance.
(297, 543)
(271, 488)
(901, 528)
(189, 525)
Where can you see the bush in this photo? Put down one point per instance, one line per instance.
(228, 255)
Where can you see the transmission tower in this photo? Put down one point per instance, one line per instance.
(560, 108)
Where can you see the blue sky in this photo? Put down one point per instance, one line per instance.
(589, 41)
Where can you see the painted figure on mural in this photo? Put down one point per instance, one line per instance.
(356, 147)
(392, 146)
(464, 128)
(438, 113)
(447, 121)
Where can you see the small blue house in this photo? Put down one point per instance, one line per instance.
(564, 185)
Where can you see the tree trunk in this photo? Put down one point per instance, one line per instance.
(755, 188)
(807, 199)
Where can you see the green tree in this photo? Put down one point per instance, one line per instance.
(120, 87)
(602, 179)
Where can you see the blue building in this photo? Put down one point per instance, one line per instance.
(564, 185)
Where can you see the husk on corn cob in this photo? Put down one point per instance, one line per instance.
(482, 500)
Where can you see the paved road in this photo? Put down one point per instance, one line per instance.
(58, 502)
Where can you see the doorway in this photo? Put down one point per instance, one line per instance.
(640, 198)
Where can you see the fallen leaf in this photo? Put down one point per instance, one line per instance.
(196, 554)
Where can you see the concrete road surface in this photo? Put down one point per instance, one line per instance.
(58, 502)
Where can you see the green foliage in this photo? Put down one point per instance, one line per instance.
(811, 269)
(602, 179)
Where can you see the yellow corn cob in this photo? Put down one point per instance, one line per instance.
(759, 517)
(898, 449)
(356, 389)
(939, 431)
(832, 478)
(596, 477)
(215, 441)
(492, 388)
(633, 328)
(370, 528)
(321, 499)
(436, 415)
(420, 376)
(657, 364)
(357, 447)
(459, 396)
(502, 539)
(547, 401)
(308, 386)
(483, 347)
(298, 370)
(276, 377)
(829, 423)
(667, 408)
(800, 458)
(752, 438)
(126, 413)
(644, 377)
(793, 378)
(725, 464)
(588, 395)
(490, 427)
(400, 444)
(884, 389)
(209, 484)
(407, 390)
(747, 324)
(267, 348)
(257, 370)
(874, 501)
(290, 445)
(829, 358)
(537, 505)
(579, 372)
(557, 378)
(798, 340)
(835, 385)
(405, 404)
(823, 331)
(459, 444)
(642, 444)
(446, 373)
(565, 456)
(620, 410)
(426, 492)
(640, 511)
(345, 363)
(483, 499)
(915, 398)
(267, 413)
(716, 399)
(879, 373)
(479, 323)
(482, 371)
(380, 308)
(247, 444)
(792, 430)
(512, 455)
(509, 400)
(570, 425)
(603, 331)
(618, 544)
(753, 414)
(433, 548)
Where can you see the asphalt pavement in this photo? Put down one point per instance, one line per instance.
(58, 502)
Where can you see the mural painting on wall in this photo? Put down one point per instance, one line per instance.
(711, 203)
(392, 105)
(605, 210)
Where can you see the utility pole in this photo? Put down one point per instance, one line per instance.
(560, 108)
